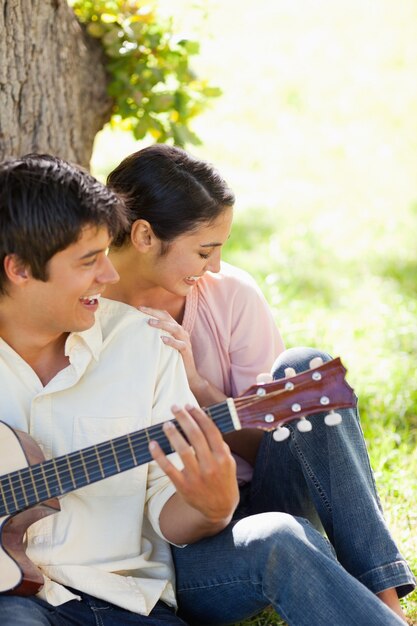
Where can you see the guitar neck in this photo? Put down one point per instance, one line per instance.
(266, 407)
(37, 483)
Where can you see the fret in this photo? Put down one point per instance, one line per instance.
(52, 478)
(71, 472)
(124, 453)
(77, 469)
(106, 452)
(83, 463)
(65, 476)
(129, 440)
(5, 509)
(220, 414)
(54, 463)
(142, 445)
(14, 494)
(42, 468)
(96, 449)
(11, 476)
(116, 460)
(23, 489)
(32, 480)
(157, 433)
(92, 461)
(35, 483)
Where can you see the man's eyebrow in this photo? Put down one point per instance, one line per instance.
(87, 255)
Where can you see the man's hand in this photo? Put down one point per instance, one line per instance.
(207, 490)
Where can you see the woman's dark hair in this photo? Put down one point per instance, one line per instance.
(44, 204)
(170, 189)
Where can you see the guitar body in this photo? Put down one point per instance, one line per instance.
(18, 575)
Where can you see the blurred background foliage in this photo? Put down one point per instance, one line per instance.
(316, 131)
(154, 90)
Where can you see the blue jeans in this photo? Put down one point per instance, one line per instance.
(275, 553)
(19, 611)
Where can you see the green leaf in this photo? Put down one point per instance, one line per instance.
(192, 47)
(153, 88)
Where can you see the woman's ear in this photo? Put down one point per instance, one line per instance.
(142, 236)
(16, 271)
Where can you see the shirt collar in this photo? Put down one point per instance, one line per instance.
(92, 339)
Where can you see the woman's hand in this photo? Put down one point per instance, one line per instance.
(245, 443)
(180, 340)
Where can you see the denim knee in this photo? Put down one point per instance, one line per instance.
(275, 541)
(298, 358)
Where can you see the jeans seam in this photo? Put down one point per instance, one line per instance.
(218, 584)
(97, 615)
(301, 458)
(257, 488)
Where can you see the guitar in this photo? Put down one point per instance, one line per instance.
(30, 489)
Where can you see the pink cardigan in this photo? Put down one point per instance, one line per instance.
(232, 331)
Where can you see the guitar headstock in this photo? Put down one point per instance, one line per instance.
(269, 406)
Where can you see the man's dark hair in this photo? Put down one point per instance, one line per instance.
(172, 190)
(45, 203)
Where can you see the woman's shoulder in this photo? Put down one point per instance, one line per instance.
(229, 279)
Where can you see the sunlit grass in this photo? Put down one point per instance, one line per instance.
(366, 313)
(317, 134)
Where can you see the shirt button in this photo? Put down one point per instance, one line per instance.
(38, 540)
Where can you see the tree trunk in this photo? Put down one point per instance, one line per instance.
(52, 82)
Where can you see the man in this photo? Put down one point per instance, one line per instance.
(73, 373)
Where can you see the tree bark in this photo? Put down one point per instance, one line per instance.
(52, 82)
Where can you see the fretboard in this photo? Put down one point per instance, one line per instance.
(37, 483)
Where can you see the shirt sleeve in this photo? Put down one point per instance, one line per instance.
(255, 341)
(171, 388)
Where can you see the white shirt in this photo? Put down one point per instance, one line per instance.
(106, 539)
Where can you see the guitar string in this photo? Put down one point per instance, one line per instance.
(126, 442)
(119, 457)
(122, 452)
(76, 460)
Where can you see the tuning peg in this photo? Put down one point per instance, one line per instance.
(264, 377)
(289, 371)
(304, 426)
(316, 362)
(333, 419)
(281, 433)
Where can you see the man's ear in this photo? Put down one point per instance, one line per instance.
(16, 271)
(142, 236)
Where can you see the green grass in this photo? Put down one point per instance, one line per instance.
(363, 309)
(316, 134)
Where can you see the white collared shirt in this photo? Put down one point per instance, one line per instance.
(106, 539)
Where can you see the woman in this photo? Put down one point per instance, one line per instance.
(169, 265)
(170, 268)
